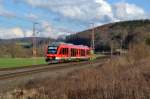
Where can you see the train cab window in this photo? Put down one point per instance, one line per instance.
(52, 50)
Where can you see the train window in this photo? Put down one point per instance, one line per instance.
(88, 52)
(61, 51)
(74, 52)
(82, 52)
(64, 51)
(79, 52)
(71, 52)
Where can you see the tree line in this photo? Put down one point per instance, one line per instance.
(15, 50)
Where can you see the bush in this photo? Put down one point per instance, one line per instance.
(138, 52)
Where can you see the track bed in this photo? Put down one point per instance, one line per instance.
(10, 79)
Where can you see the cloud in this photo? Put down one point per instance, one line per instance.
(97, 10)
(47, 30)
(28, 33)
(31, 16)
(85, 10)
(6, 13)
(15, 32)
(76, 9)
(126, 11)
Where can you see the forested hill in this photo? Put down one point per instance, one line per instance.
(119, 33)
(26, 40)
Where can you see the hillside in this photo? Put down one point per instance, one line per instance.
(27, 40)
(120, 34)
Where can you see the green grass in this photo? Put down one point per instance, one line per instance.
(20, 62)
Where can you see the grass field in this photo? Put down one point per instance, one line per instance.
(19, 62)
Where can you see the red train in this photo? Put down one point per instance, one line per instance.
(60, 52)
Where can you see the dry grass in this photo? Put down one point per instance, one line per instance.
(125, 77)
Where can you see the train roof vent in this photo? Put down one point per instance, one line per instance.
(82, 46)
(55, 43)
(58, 43)
(70, 44)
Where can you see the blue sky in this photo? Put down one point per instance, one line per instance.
(60, 17)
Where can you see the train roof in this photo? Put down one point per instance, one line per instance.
(67, 44)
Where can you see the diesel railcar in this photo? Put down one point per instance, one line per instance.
(60, 52)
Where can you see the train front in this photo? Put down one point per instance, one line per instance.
(51, 53)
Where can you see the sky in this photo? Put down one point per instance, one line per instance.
(56, 18)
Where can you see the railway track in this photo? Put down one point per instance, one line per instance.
(10, 74)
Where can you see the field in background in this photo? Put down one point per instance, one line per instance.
(19, 62)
